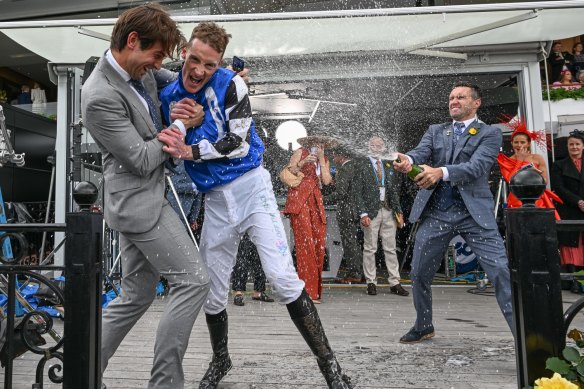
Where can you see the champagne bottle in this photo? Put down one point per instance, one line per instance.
(416, 169)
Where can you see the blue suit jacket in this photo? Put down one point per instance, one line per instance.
(469, 166)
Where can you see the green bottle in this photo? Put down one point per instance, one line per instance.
(414, 172)
(416, 169)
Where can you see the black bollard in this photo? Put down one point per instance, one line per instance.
(534, 262)
(82, 347)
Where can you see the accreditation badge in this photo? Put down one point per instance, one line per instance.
(382, 193)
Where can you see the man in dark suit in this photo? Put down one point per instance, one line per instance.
(120, 109)
(347, 218)
(377, 199)
(455, 198)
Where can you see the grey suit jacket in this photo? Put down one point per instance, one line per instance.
(132, 156)
(472, 160)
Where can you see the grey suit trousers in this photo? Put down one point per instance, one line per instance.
(164, 250)
(435, 231)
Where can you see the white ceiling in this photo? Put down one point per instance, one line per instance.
(305, 36)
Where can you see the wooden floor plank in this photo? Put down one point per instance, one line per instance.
(473, 347)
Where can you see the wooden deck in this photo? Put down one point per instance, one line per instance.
(473, 347)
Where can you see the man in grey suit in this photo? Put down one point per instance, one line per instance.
(455, 198)
(121, 111)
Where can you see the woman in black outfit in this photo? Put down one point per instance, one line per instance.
(568, 183)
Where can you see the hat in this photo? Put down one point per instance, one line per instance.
(519, 126)
(313, 140)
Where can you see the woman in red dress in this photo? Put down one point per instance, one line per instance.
(521, 142)
(305, 208)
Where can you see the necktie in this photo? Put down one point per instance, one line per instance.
(152, 109)
(458, 130)
(379, 172)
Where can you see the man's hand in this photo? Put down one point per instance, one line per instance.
(581, 205)
(404, 165)
(365, 221)
(243, 74)
(429, 177)
(188, 111)
(174, 144)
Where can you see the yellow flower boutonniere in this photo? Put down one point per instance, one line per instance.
(473, 131)
(387, 165)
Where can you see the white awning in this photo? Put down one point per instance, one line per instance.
(266, 35)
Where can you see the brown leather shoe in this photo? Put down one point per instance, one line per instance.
(399, 290)
(371, 289)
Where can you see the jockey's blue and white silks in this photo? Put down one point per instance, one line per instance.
(227, 142)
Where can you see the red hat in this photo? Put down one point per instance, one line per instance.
(519, 126)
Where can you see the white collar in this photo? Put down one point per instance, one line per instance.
(466, 122)
(112, 61)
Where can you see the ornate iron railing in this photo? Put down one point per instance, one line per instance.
(75, 353)
(572, 311)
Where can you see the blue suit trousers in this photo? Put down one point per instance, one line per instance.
(435, 231)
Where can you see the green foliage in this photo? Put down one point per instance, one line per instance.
(557, 365)
(571, 367)
(571, 354)
(561, 94)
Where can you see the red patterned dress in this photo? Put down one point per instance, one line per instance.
(305, 208)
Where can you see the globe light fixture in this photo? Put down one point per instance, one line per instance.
(288, 132)
(527, 185)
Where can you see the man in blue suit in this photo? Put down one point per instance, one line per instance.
(455, 198)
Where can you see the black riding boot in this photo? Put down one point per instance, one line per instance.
(221, 363)
(305, 317)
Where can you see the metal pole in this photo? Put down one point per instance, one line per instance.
(549, 101)
(182, 212)
(42, 253)
(11, 312)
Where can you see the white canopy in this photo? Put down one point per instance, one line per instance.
(265, 35)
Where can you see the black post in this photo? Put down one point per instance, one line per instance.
(537, 300)
(10, 313)
(82, 347)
